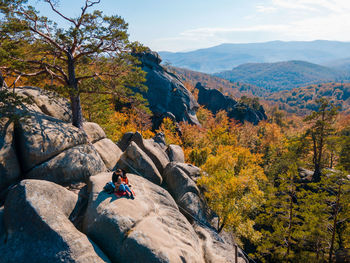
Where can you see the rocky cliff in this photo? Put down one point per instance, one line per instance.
(166, 94)
(53, 209)
(215, 101)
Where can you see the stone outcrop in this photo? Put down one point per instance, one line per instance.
(2, 227)
(175, 153)
(166, 94)
(153, 150)
(41, 137)
(109, 152)
(93, 131)
(48, 103)
(185, 191)
(215, 101)
(134, 160)
(73, 165)
(9, 166)
(36, 220)
(147, 229)
(39, 221)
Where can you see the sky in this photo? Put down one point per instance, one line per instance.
(183, 25)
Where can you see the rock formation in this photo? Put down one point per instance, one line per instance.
(215, 101)
(166, 94)
(47, 214)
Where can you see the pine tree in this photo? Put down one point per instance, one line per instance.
(94, 46)
(321, 122)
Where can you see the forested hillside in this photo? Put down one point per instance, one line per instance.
(236, 89)
(303, 100)
(282, 75)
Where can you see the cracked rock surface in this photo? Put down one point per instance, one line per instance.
(149, 228)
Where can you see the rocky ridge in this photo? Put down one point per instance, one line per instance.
(215, 101)
(166, 94)
(53, 209)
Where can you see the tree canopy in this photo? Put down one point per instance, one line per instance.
(93, 46)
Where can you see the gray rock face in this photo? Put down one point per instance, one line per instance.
(48, 103)
(41, 137)
(153, 150)
(125, 141)
(93, 131)
(109, 152)
(214, 247)
(175, 153)
(73, 165)
(135, 159)
(185, 191)
(160, 139)
(166, 93)
(2, 227)
(215, 101)
(36, 220)
(149, 228)
(9, 165)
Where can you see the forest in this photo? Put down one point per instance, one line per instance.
(282, 187)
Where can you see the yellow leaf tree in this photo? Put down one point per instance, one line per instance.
(231, 181)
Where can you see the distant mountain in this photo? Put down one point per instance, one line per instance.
(235, 89)
(339, 64)
(227, 56)
(300, 100)
(282, 75)
(303, 100)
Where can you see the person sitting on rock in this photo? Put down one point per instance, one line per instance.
(121, 183)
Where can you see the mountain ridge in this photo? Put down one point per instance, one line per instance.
(283, 75)
(226, 56)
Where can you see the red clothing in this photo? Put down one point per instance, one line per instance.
(125, 180)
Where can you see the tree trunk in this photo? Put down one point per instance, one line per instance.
(290, 224)
(336, 211)
(77, 115)
(222, 225)
(2, 82)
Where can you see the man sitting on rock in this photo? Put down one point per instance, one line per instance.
(121, 182)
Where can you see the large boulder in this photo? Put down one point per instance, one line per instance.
(215, 101)
(175, 153)
(125, 141)
(41, 137)
(153, 150)
(185, 191)
(192, 171)
(2, 227)
(73, 165)
(109, 152)
(216, 249)
(149, 228)
(93, 131)
(47, 102)
(36, 219)
(166, 93)
(134, 160)
(9, 166)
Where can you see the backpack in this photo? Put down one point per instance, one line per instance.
(109, 188)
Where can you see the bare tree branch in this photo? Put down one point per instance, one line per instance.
(59, 13)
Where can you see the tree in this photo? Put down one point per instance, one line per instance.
(321, 122)
(232, 187)
(94, 46)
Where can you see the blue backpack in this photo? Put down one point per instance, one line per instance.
(109, 188)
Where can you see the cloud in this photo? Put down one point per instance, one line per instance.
(211, 32)
(298, 20)
(265, 9)
(336, 6)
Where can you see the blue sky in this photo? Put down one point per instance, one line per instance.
(181, 25)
